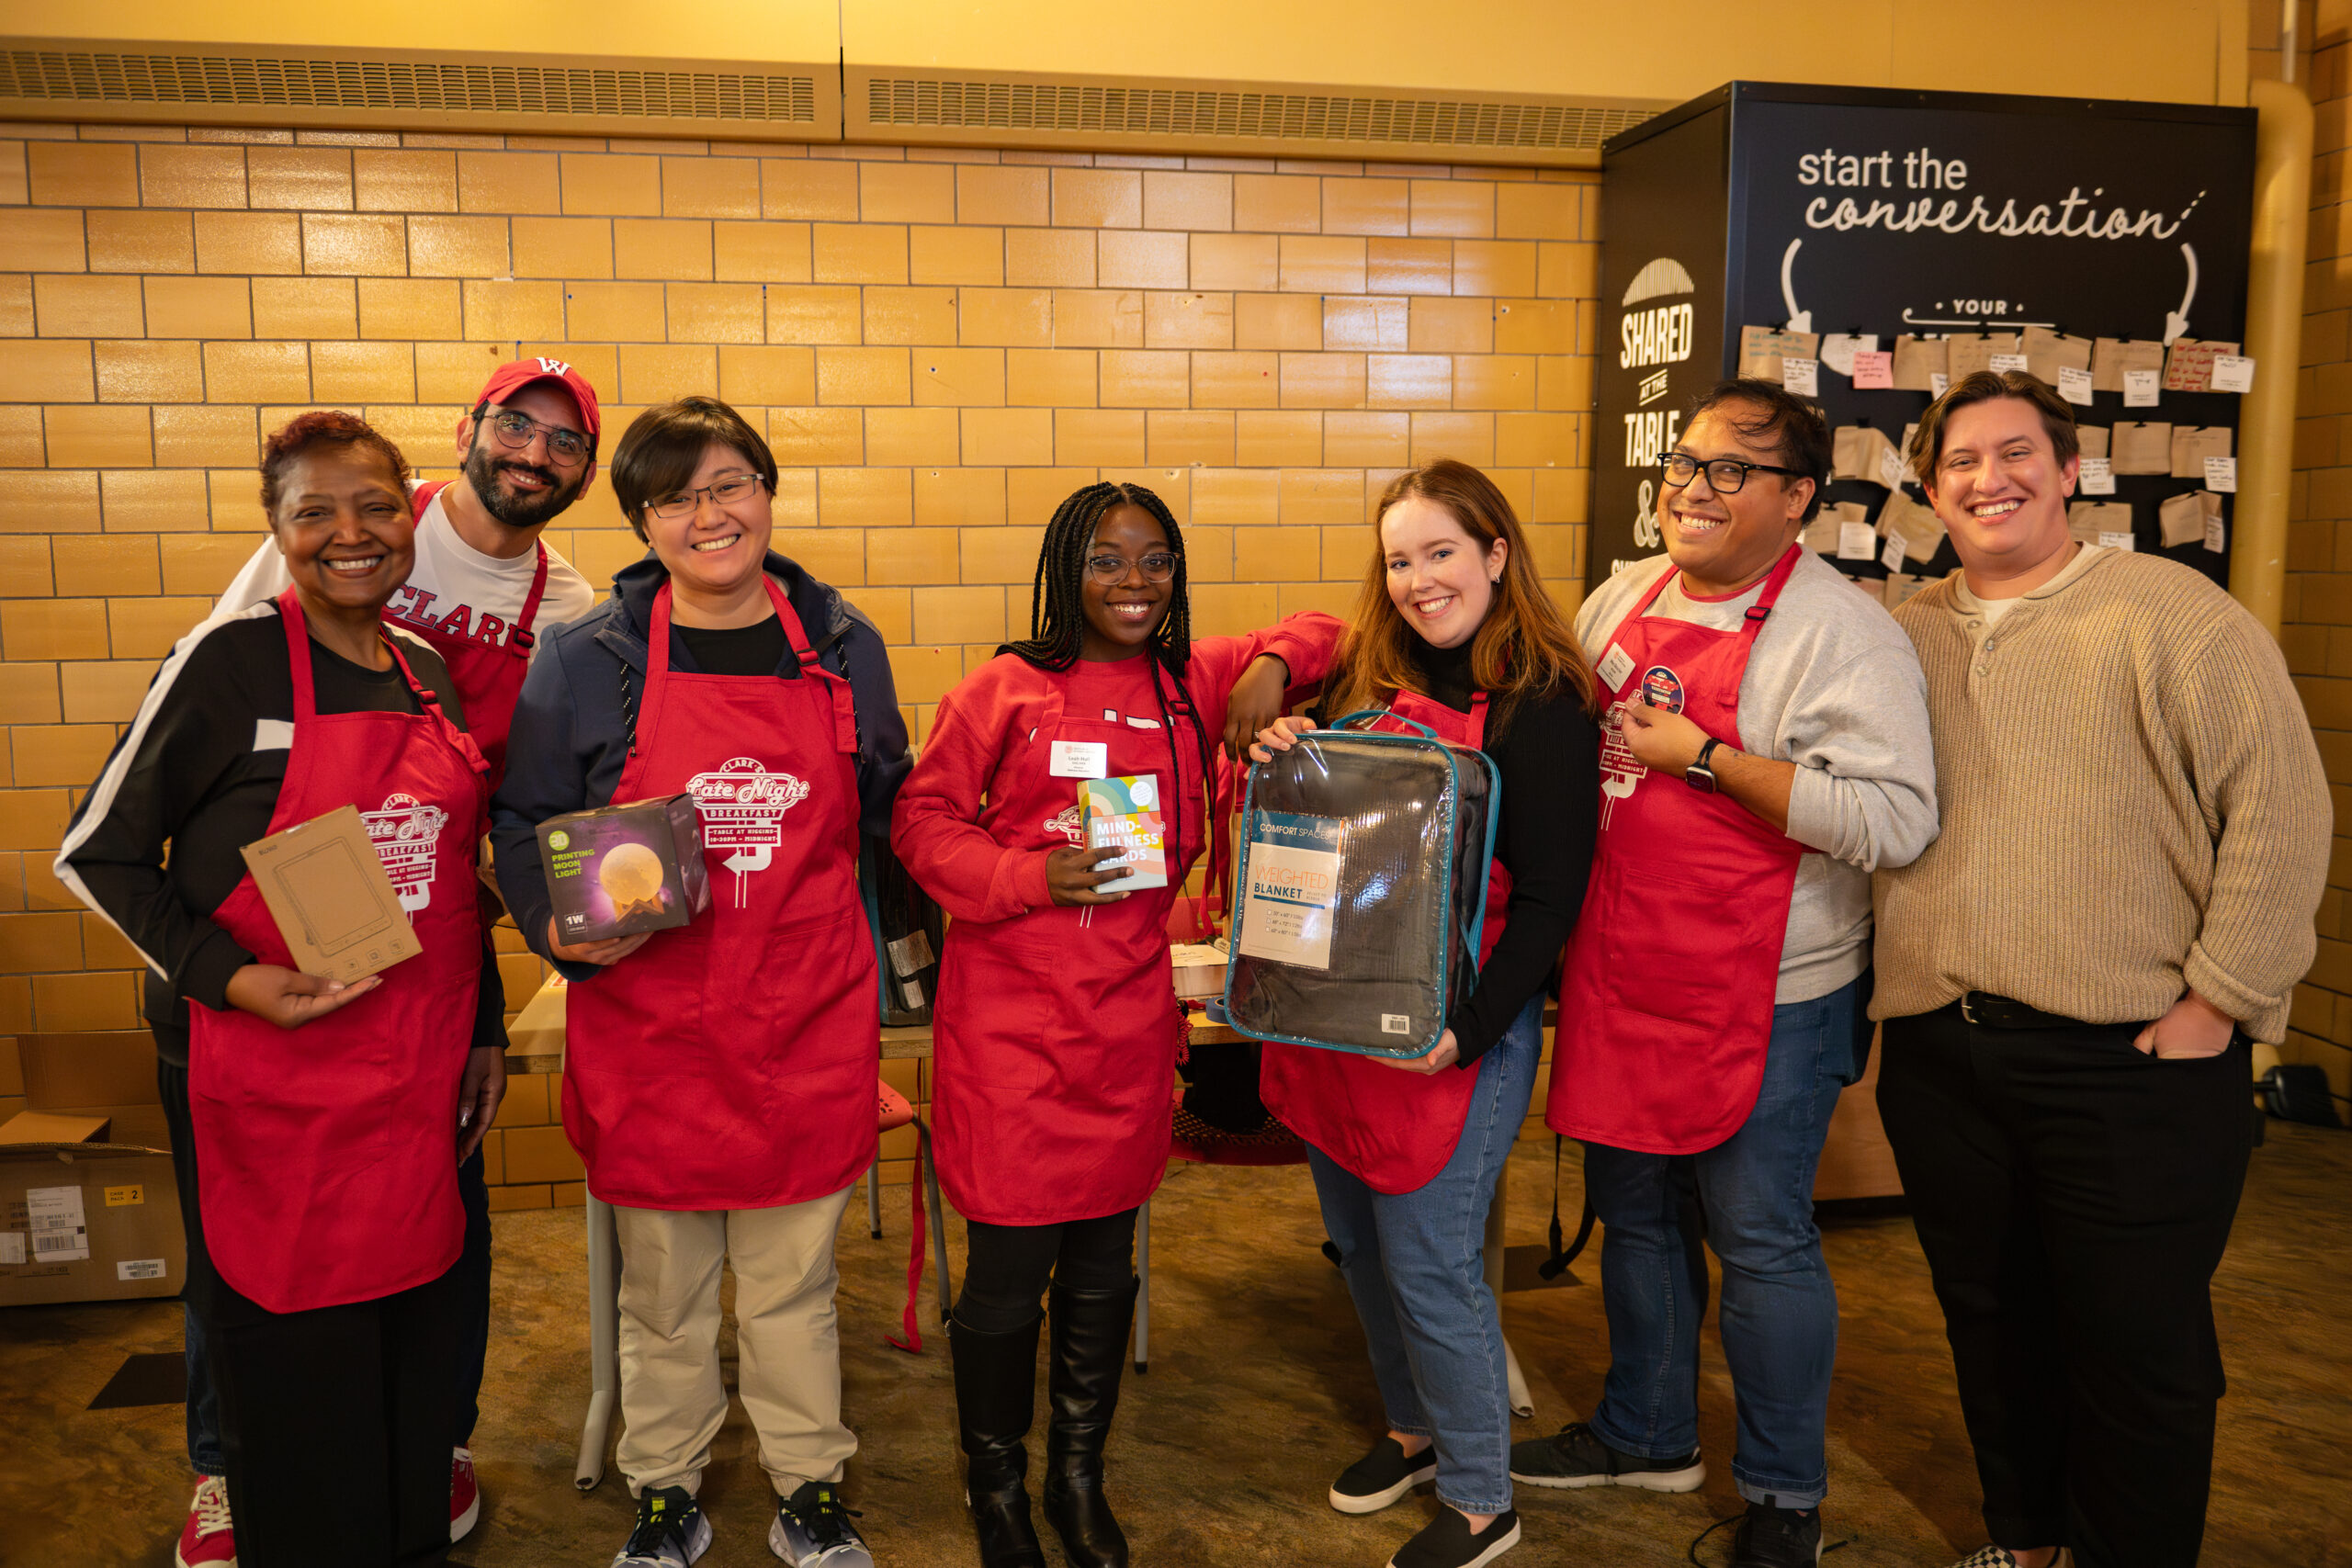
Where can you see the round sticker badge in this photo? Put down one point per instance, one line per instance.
(1662, 688)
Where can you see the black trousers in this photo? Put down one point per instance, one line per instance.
(335, 1423)
(1007, 1268)
(2074, 1197)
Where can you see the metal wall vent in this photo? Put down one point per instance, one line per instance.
(342, 88)
(916, 104)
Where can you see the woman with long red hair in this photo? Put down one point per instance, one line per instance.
(1453, 630)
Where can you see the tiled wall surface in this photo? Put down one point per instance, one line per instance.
(2318, 633)
(940, 346)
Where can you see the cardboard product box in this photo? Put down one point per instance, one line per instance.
(89, 1209)
(325, 886)
(1198, 969)
(622, 869)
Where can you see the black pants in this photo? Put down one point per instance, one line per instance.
(1007, 1268)
(335, 1423)
(2074, 1196)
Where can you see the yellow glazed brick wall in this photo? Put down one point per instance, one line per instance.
(2318, 630)
(939, 345)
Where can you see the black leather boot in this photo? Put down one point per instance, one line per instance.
(996, 1392)
(1090, 1352)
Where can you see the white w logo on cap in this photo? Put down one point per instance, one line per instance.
(555, 367)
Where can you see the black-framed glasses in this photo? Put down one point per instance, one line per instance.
(1725, 475)
(1157, 567)
(733, 488)
(565, 448)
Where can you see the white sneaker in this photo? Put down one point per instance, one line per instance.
(672, 1530)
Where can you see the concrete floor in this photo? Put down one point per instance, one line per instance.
(1257, 1395)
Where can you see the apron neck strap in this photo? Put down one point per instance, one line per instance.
(658, 639)
(306, 695)
(1753, 618)
(298, 656)
(519, 636)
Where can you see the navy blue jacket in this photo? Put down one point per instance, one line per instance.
(579, 707)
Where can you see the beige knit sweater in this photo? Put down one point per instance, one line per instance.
(2132, 801)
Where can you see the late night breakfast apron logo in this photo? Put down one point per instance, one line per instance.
(743, 806)
(405, 831)
(1071, 823)
(1659, 687)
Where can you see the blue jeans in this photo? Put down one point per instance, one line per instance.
(1780, 1309)
(472, 1272)
(1416, 1266)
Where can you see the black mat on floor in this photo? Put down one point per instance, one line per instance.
(159, 1377)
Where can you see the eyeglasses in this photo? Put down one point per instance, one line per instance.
(1157, 567)
(565, 448)
(1725, 475)
(726, 491)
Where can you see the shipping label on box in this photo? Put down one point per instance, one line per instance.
(618, 870)
(327, 890)
(1124, 814)
(87, 1222)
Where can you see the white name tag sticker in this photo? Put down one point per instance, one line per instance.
(2140, 389)
(1615, 666)
(1801, 377)
(1081, 760)
(2232, 373)
(2095, 477)
(2074, 385)
(2222, 474)
(2002, 363)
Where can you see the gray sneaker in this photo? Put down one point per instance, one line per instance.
(672, 1530)
(813, 1528)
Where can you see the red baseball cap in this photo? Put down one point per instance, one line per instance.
(516, 374)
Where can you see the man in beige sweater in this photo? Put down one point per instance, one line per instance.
(2135, 837)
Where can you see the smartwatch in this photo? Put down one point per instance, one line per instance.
(1700, 776)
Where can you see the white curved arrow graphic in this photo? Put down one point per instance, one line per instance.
(1802, 320)
(2177, 323)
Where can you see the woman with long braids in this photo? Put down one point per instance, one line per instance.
(1057, 1027)
(1453, 631)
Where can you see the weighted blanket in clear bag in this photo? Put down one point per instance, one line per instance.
(1362, 879)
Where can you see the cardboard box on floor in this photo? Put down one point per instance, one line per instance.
(89, 1210)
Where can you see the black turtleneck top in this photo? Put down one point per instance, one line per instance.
(1548, 753)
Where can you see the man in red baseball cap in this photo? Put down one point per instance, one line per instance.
(483, 588)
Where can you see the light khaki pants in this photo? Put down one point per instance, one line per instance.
(788, 1341)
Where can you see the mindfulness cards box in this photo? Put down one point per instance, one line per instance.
(1124, 814)
(622, 869)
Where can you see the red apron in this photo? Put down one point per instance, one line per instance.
(731, 1063)
(326, 1156)
(486, 662)
(1054, 1050)
(1667, 1007)
(1391, 1129)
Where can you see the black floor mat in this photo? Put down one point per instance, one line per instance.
(158, 1378)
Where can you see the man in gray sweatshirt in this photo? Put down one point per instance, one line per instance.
(1766, 748)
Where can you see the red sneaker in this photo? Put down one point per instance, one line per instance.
(207, 1540)
(465, 1495)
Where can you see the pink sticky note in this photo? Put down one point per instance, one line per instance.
(1875, 369)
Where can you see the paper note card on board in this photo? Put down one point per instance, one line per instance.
(327, 891)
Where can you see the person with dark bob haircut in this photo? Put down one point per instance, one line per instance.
(721, 1076)
(1766, 748)
(317, 1126)
(1056, 1041)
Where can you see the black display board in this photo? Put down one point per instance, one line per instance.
(1851, 210)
